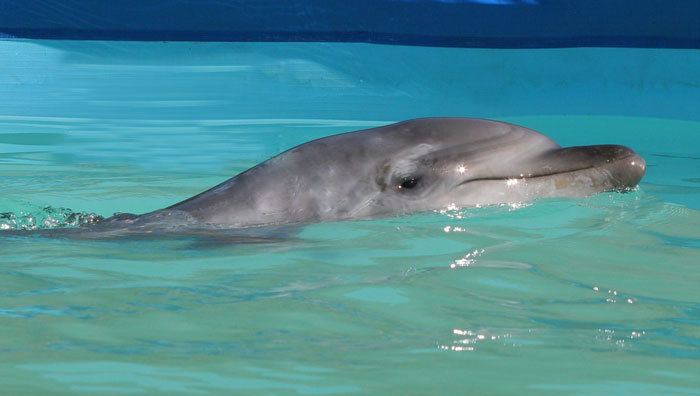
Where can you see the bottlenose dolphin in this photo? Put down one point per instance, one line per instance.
(416, 165)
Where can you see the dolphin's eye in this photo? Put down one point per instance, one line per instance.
(408, 182)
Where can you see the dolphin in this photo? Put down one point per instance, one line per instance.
(411, 166)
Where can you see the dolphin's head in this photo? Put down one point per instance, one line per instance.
(466, 162)
(412, 166)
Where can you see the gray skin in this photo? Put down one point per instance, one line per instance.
(411, 166)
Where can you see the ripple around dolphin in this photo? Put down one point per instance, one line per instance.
(47, 217)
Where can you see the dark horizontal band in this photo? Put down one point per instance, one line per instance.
(449, 23)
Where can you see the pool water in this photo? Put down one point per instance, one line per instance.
(561, 297)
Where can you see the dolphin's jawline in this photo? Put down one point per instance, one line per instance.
(537, 176)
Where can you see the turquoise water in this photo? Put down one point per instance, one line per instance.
(562, 297)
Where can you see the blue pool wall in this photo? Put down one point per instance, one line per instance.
(458, 23)
(180, 80)
(82, 54)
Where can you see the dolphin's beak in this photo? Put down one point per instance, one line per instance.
(622, 167)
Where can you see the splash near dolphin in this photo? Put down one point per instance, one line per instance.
(411, 166)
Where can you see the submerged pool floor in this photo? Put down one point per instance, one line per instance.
(572, 297)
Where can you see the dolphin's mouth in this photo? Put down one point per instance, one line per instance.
(617, 167)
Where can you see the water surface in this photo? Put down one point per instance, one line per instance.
(575, 297)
